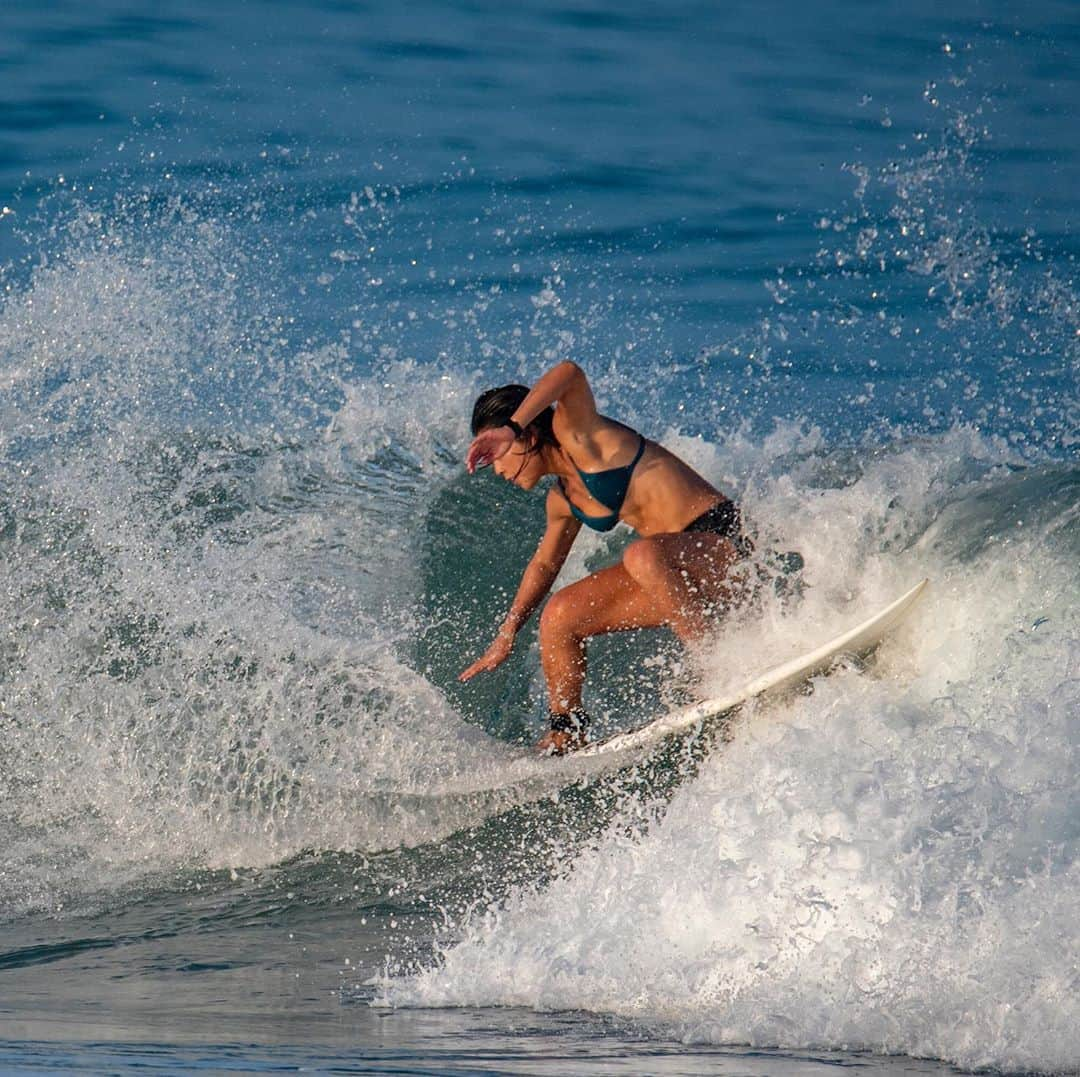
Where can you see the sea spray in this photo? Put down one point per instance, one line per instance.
(889, 863)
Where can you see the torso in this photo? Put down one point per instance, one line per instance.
(664, 494)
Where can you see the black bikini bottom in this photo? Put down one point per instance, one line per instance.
(723, 519)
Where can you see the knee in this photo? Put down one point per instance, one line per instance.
(559, 617)
(645, 561)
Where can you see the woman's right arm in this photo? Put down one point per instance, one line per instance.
(564, 385)
(536, 581)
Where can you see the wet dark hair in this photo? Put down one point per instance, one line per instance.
(495, 406)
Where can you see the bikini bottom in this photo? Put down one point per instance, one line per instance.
(723, 519)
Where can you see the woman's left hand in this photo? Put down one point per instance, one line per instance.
(488, 446)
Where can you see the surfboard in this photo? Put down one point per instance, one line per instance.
(855, 642)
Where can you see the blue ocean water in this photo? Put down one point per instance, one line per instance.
(257, 259)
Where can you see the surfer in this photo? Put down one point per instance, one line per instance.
(677, 573)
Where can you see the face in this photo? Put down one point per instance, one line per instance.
(521, 467)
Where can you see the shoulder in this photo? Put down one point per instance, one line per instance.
(575, 411)
(557, 506)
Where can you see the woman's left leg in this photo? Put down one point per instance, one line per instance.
(687, 576)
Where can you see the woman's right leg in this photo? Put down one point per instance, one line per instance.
(606, 601)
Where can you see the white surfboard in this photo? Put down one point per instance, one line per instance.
(857, 641)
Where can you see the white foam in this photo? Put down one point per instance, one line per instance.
(205, 665)
(210, 581)
(889, 864)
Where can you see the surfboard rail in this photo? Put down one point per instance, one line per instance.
(857, 641)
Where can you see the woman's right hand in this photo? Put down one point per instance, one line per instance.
(488, 446)
(494, 656)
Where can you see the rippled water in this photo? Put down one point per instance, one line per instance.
(257, 260)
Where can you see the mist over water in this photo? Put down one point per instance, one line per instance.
(241, 565)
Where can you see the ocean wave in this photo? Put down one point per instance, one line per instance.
(889, 863)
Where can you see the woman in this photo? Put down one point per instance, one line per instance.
(675, 574)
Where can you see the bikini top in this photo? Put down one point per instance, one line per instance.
(608, 487)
